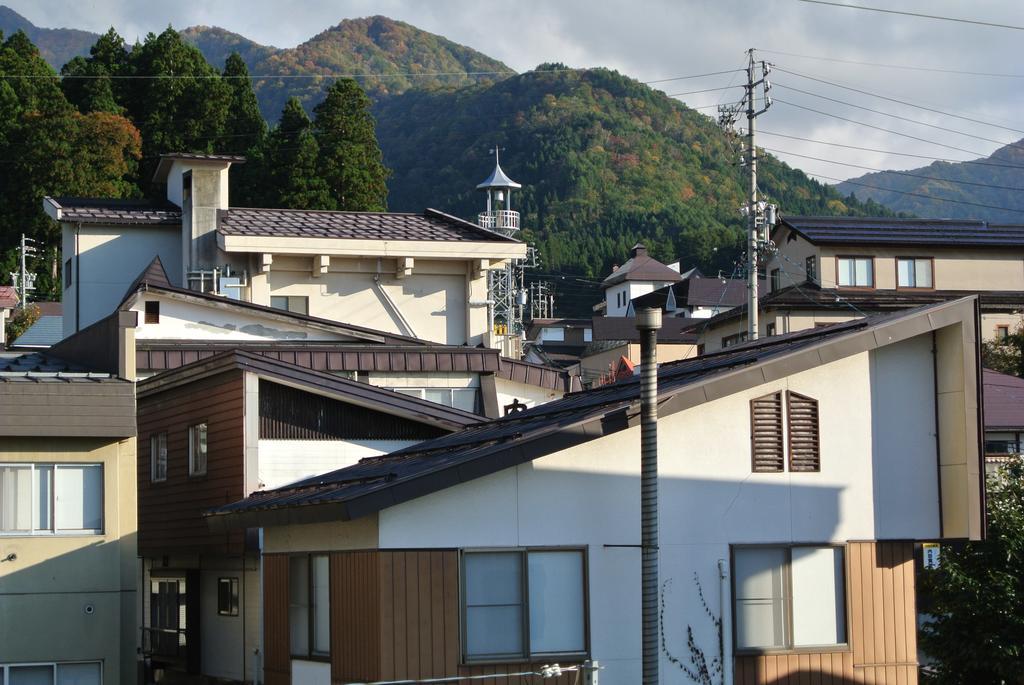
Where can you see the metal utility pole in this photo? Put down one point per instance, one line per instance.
(24, 284)
(648, 321)
(755, 210)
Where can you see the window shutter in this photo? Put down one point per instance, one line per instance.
(804, 448)
(766, 433)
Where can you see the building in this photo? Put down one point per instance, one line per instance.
(68, 519)
(8, 301)
(214, 431)
(640, 275)
(1004, 417)
(796, 474)
(830, 269)
(48, 329)
(558, 342)
(695, 297)
(416, 275)
(616, 347)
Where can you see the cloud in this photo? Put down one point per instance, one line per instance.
(668, 38)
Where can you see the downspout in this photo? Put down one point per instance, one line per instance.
(78, 280)
(648, 321)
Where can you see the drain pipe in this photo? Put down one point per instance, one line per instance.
(648, 321)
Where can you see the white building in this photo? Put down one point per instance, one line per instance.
(796, 477)
(641, 274)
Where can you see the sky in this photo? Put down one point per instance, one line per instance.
(662, 39)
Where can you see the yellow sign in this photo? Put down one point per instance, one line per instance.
(931, 554)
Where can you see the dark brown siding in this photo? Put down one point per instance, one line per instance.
(355, 616)
(79, 408)
(882, 628)
(277, 664)
(170, 513)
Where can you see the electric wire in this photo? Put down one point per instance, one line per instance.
(922, 195)
(891, 66)
(976, 22)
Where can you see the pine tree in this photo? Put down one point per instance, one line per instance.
(290, 166)
(350, 159)
(87, 82)
(245, 126)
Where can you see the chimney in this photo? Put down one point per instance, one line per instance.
(639, 250)
(648, 321)
(615, 267)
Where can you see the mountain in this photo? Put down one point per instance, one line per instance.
(990, 188)
(57, 46)
(407, 57)
(604, 161)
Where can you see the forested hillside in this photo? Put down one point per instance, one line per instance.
(991, 188)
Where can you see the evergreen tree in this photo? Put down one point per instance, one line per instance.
(290, 174)
(87, 82)
(35, 85)
(350, 159)
(245, 127)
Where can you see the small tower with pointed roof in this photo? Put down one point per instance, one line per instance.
(499, 216)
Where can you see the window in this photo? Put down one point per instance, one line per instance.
(588, 335)
(788, 597)
(48, 499)
(158, 457)
(291, 303)
(811, 269)
(769, 329)
(914, 272)
(86, 673)
(552, 334)
(1002, 332)
(776, 279)
(735, 339)
(68, 275)
(152, 311)
(459, 398)
(197, 450)
(855, 272)
(523, 604)
(801, 434)
(309, 622)
(227, 596)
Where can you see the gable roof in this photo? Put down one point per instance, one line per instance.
(380, 482)
(105, 211)
(699, 292)
(318, 382)
(431, 225)
(822, 230)
(154, 275)
(45, 332)
(1004, 401)
(674, 330)
(641, 267)
(8, 297)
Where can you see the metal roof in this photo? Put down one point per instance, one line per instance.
(379, 482)
(699, 292)
(39, 367)
(431, 225)
(497, 179)
(1004, 401)
(891, 231)
(45, 332)
(641, 267)
(8, 297)
(105, 211)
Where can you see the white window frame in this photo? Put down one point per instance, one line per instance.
(53, 530)
(914, 273)
(158, 457)
(194, 467)
(527, 654)
(853, 272)
(787, 599)
(421, 393)
(5, 668)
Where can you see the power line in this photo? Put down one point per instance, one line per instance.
(705, 90)
(880, 128)
(893, 66)
(898, 101)
(915, 14)
(894, 152)
(900, 173)
(897, 116)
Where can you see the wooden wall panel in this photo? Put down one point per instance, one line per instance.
(355, 616)
(882, 626)
(170, 513)
(277, 660)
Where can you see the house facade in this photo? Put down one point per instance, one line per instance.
(417, 275)
(67, 521)
(639, 275)
(830, 269)
(214, 431)
(796, 477)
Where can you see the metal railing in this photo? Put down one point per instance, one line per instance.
(505, 220)
(1002, 447)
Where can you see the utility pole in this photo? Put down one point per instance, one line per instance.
(24, 282)
(754, 211)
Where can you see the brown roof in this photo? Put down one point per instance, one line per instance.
(641, 267)
(8, 297)
(48, 308)
(104, 211)
(673, 329)
(699, 292)
(1004, 401)
(431, 225)
(204, 157)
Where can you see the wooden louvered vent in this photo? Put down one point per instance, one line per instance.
(766, 433)
(804, 443)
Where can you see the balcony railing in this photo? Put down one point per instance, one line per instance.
(1002, 448)
(502, 220)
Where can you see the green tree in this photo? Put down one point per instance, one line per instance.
(1004, 355)
(87, 82)
(350, 159)
(976, 595)
(290, 177)
(245, 128)
(23, 318)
